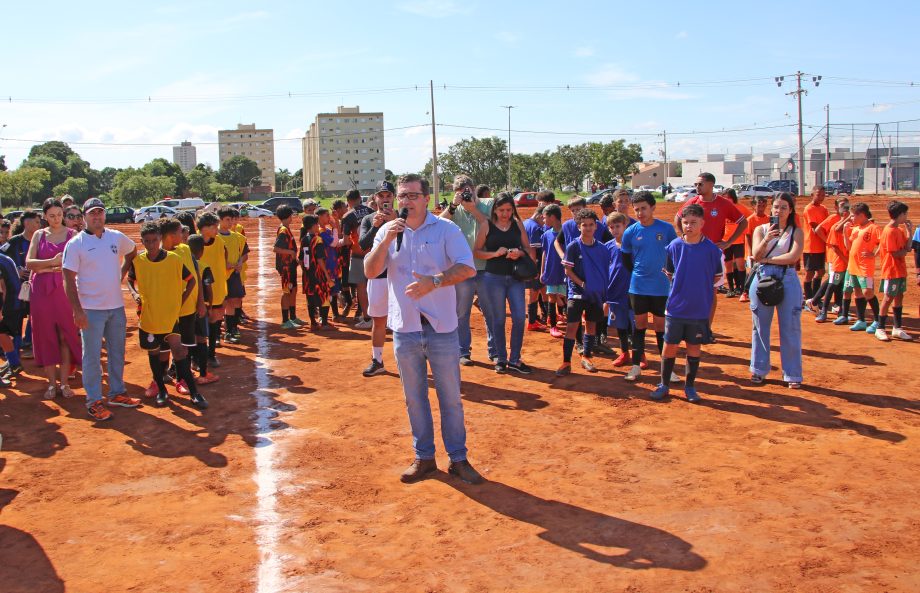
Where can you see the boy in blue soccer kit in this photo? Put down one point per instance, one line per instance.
(618, 278)
(552, 273)
(694, 264)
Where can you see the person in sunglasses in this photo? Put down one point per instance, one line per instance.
(73, 218)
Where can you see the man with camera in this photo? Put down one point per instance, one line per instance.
(425, 257)
(469, 209)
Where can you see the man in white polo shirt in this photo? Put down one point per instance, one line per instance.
(93, 272)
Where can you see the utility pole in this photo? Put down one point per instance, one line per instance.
(876, 158)
(667, 170)
(798, 92)
(509, 108)
(434, 150)
(827, 144)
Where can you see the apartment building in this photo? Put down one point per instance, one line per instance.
(251, 142)
(185, 156)
(343, 150)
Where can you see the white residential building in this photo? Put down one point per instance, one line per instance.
(343, 150)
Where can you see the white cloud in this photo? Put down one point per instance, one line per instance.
(583, 52)
(435, 9)
(880, 107)
(681, 35)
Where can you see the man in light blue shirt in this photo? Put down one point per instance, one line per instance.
(425, 257)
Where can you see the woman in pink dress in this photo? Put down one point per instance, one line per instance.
(55, 339)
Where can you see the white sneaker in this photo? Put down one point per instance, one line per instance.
(881, 335)
(634, 373)
(901, 334)
(365, 324)
(675, 378)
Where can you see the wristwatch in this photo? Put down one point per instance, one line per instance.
(437, 279)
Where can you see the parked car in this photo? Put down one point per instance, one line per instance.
(250, 211)
(718, 188)
(526, 198)
(183, 204)
(568, 188)
(838, 186)
(645, 188)
(596, 198)
(685, 194)
(13, 214)
(148, 213)
(272, 203)
(781, 185)
(119, 214)
(752, 191)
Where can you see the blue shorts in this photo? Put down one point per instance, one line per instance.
(621, 316)
(691, 331)
(557, 289)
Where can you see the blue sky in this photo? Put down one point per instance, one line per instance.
(78, 72)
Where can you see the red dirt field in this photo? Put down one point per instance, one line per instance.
(289, 482)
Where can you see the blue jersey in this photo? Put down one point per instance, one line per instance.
(647, 245)
(590, 263)
(694, 267)
(534, 232)
(553, 273)
(570, 232)
(617, 277)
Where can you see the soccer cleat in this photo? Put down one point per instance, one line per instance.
(870, 329)
(374, 368)
(675, 378)
(859, 326)
(603, 347)
(744, 298)
(209, 378)
(298, 321)
(731, 294)
(199, 401)
(588, 365)
(821, 317)
(466, 360)
(213, 362)
(232, 338)
(151, 390)
(622, 360)
(519, 367)
(901, 334)
(564, 370)
(536, 326)
(501, 367)
(182, 388)
(809, 306)
(12, 371)
(692, 396)
(288, 325)
(634, 373)
(364, 324)
(162, 398)
(660, 392)
(555, 332)
(842, 320)
(881, 335)
(98, 411)
(123, 401)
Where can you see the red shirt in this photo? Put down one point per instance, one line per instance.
(716, 213)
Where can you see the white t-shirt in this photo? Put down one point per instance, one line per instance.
(97, 262)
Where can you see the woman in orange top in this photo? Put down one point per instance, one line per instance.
(734, 253)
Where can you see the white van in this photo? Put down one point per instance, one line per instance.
(182, 204)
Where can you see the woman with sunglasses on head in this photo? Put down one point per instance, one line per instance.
(55, 339)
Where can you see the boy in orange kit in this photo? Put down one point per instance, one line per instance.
(894, 247)
(862, 236)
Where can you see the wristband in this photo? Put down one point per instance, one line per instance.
(451, 209)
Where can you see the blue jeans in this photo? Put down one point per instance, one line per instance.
(494, 291)
(112, 325)
(414, 352)
(466, 290)
(790, 326)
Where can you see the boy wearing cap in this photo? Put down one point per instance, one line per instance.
(351, 233)
(377, 291)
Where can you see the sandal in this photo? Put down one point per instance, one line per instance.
(66, 391)
(756, 379)
(51, 392)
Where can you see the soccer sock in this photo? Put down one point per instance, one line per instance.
(740, 279)
(638, 345)
(377, 353)
(156, 367)
(861, 309)
(624, 340)
(667, 367)
(845, 307)
(532, 313)
(13, 357)
(659, 338)
(213, 332)
(731, 281)
(238, 312)
(335, 306)
(285, 314)
(551, 313)
(567, 346)
(809, 289)
(230, 323)
(898, 312)
(881, 320)
(580, 334)
(588, 343)
(838, 295)
(292, 312)
(201, 353)
(693, 365)
(543, 307)
(601, 329)
(324, 314)
(873, 303)
(826, 303)
(184, 372)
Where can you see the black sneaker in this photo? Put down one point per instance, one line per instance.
(464, 471)
(12, 371)
(520, 368)
(199, 401)
(162, 398)
(232, 338)
(501, 367)
(213, 362)
(374, 368)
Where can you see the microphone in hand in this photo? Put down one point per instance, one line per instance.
(403, 214)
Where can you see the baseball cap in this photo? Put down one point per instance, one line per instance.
(385, 186)
(93, 203)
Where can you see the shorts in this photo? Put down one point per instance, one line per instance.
(235, 288)
(11, 324)
(814, 262)
(691, 331)
(835, 278)
(288, 275)
(594, 313)
(862, 282)
(201, 327)
(377, 297)
(557, 289)
(186, 327)
(735, 251)
(642, 304)
(156, 342)
(893, 286)
(356, 271)
(344, 277)
(622, 316)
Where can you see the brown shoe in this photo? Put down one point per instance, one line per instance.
(418, 470)
(464, 471)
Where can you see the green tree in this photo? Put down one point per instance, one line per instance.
(224, 192)
(391, 177)
(18, 187)
(133, 187)
(160, 167)
(570, 165)
(77, 187)
(613, 160)
(57, 173)
(238, 171)
(2, 162)
(283, 179)
(200, 179)
(105, 181)
(483, 159)
(55, 149)
(530, 170)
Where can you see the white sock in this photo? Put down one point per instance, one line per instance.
(378, 353)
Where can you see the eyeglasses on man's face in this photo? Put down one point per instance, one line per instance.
(411, 196)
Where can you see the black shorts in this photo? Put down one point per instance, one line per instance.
(11, 324)
(156, 342)
(643, 304)
(186, 327)
(594, 312)
(235, 288)
(734, 252)
(691, 331)
(201, 326)
(346, 266)
(814, 262)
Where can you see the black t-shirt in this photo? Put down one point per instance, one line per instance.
(366, 237)
(497, 238)
(351, 223)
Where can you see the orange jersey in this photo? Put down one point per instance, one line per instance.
(893, 239)
(864, 241)
(730, 225)
(755, 221)
(834, 239)
(814, 215)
